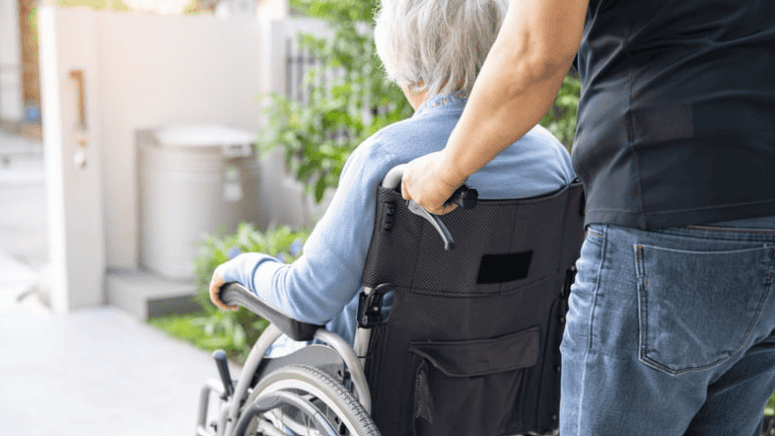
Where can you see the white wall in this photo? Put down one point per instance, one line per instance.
(11, 91)
(145, 71)
(163, 70)
(272, 9)
(76, 224)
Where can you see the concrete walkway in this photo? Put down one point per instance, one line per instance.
(96, 372)
(91, 372)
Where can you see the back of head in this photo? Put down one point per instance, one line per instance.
(436, 46)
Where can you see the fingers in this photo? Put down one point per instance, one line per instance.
(421, 182)
(444, 209)
(215, 286)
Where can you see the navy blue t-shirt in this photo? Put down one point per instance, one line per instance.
(677, 114)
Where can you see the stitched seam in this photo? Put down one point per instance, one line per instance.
(598, 279)
(642, 308)
(594, 233)
(731, 230)
(447, 294)
(691, 209)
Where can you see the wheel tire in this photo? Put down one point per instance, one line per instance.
(306, 380)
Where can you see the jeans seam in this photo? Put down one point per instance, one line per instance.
(730, 229)
(598, 278)
(594, 233)
(591, 320)
(642, 308)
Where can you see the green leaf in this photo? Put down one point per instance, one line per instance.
(320, 189)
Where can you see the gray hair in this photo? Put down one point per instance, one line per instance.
(436, 46)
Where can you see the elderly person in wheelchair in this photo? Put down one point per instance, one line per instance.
(433, 50)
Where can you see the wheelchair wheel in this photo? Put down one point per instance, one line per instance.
(302, 400)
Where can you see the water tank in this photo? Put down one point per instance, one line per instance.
(193, 180)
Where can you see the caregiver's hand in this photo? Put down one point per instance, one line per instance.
(427, 182)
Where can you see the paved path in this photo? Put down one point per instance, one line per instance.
(91, 372)
(96, 372)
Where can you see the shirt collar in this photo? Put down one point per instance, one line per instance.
(458, 98)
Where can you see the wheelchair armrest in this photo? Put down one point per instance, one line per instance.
(234, 293)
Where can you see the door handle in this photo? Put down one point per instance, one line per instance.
(78, 77)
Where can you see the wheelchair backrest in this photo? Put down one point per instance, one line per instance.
(471, 346)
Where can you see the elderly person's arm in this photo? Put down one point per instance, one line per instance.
(325, 278)
(514, 90)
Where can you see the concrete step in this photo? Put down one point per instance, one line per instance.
(145, 294)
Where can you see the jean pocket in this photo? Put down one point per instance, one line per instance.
(698, 308)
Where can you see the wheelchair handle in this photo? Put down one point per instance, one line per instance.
(463, 196)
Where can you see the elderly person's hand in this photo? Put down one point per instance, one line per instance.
(424, 182)
(215, 286)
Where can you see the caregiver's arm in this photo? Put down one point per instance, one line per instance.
(515, 88)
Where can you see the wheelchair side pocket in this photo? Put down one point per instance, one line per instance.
(471, 387)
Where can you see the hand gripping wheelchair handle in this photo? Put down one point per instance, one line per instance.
(234, 293)
(463, 196)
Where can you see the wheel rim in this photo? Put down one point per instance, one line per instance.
(337, 408)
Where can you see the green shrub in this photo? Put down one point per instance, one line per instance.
(561, 119)
(355, 101)
(318, 135)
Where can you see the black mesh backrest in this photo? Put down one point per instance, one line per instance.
(471, 346)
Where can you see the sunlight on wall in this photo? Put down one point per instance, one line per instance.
(159, 6)
(114, 5)
(167, 7)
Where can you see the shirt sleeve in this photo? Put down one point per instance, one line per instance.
(327, 276)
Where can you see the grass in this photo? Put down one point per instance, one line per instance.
(184, 327)
(207, 333)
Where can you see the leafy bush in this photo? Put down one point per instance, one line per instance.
(561, 119)
(349, 97)
(236, 331)
(319, 134)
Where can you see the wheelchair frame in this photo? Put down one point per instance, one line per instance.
(232, 405)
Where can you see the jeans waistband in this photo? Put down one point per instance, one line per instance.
(758, 223)
(750, 229)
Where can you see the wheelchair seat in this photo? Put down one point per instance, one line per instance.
(470, 346)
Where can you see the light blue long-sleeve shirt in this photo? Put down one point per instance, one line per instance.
(322, 286)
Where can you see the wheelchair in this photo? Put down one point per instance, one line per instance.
(470, 345)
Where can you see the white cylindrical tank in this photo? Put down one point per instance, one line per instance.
(194, 180)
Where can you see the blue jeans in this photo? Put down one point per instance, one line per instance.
(671, 332)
